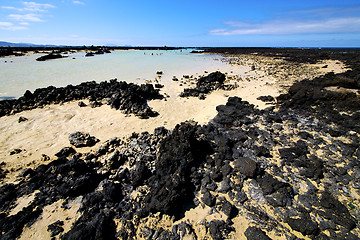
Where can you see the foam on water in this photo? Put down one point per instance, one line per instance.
(18, 74)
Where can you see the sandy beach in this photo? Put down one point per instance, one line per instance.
(46, 130)
(49, 127)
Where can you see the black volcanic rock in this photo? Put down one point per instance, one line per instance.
(171, 185)
(219, 229)
(205, 85)
(79, 139)
(65, 152)
(129, 98)
(254, 233)
(49, 57)
(208, 199)
(246, 166)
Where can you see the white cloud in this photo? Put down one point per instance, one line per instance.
(27, 13)
(31, 7)
(79, 2)
(30, 17)
(5, 24)
(10, 8)
(285, 26)
(10, 26)
(36, 7)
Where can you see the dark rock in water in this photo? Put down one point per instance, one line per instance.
(49, 57)
(16, 151)
(219, 229)
(22, 119)
(246, 166)
(267, 98)
(65, 152)
(159, 72)
(208, 199)
(55, 228)
(79, 139)
(89, 54)
(205, 85)
(254, 233)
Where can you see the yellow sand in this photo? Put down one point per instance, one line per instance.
(47, 130)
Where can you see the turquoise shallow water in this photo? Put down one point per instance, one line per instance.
(18, 74)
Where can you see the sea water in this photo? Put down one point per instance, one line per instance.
(18, 74)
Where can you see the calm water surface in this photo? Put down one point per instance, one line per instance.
(17, 74)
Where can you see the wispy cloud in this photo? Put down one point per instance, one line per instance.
(10, 26)
(311, 21)
(31, 7)
(30, 17)
(25, 14)
(335, 25)
(79, 2)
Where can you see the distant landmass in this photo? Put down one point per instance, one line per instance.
(9, 44)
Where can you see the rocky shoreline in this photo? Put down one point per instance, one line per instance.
(290, 171)
(127, 97)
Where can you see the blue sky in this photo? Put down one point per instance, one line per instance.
(275, 23)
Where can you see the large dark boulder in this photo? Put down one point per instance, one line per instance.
(254, 233)
(246, 166)
(80, 139)
(172, 187)
(49, 57)
(205, 85)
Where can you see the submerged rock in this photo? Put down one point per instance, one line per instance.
(49, 57)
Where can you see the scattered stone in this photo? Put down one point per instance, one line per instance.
(157, 85)
(79, 139)
(205, 85)
(65, 152)
(254, 233)
(95, 104)
(16, 151)
(208, 199)
(267, 98)
(81, 104)
(246, 166)
(55, 228)
(22, 119)
(219, 229)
